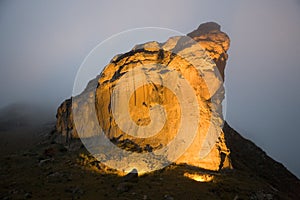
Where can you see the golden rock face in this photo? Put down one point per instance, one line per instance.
(141, 96)
(216, 43)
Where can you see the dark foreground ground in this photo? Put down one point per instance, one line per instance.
(50, 172)
(47, 170)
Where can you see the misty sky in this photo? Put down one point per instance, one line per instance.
(43, 44)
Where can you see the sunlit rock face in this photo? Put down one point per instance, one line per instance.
(144, 127)
(215, 42)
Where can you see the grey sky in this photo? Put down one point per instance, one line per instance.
(44, 42)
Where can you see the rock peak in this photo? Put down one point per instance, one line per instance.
(206, 28)
(214, 41)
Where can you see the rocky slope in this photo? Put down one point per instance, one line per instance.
(51, 171)
(247, 157)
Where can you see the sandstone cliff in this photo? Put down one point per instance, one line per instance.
(61, 171)
(196, 57)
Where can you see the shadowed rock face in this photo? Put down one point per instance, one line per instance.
(247, 157)
(191, 56)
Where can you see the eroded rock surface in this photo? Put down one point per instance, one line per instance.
(196, 57)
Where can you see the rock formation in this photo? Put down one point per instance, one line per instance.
(196, 57)
(65, 171)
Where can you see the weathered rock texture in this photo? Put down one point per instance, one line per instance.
(179, 54)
